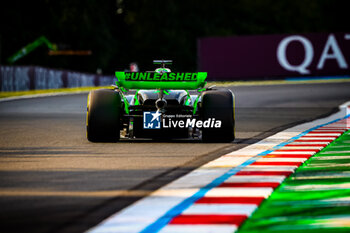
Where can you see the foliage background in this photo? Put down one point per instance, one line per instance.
(122, 31)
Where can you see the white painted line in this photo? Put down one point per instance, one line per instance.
(292, 153)
(226, 162)
(173, 193)
(302, 147)
(321, 130)
(325, 134)
(233, 209)
(341, 130)
(204, 228)
(308, 143)
(269, 168)
(239, 192)
(250, 151)
(281, 159)
(344, 125)
(245, 179)
(330, 128)
(197, 178)
(316, 138)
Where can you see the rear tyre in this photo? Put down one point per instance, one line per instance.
(103, 116)
(218, 105)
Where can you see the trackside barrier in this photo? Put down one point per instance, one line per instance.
(23, 78)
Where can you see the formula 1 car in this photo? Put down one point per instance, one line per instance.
(161, 108)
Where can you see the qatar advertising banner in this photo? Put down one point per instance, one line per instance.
(274, 56)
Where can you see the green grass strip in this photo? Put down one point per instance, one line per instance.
(316, 198)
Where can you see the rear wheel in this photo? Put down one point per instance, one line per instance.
(218, 105)
(103, 116)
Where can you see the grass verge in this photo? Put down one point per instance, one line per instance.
(314, 199)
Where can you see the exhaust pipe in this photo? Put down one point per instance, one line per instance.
(161, 104)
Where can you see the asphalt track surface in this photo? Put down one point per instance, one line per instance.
(53, 180)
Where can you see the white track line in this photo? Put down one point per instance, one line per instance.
(269, 168)
(292, 152)
(309, 143)
(245, 179)
(199, 228)
(234, 209)
(239, 192)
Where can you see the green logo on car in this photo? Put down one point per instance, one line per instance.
(153, 76)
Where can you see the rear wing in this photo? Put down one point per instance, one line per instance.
(148, 80)
(163, 62)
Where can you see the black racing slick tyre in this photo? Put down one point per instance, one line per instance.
(218, 105)
(103, 116)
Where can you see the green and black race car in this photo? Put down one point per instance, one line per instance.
(161, 107)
